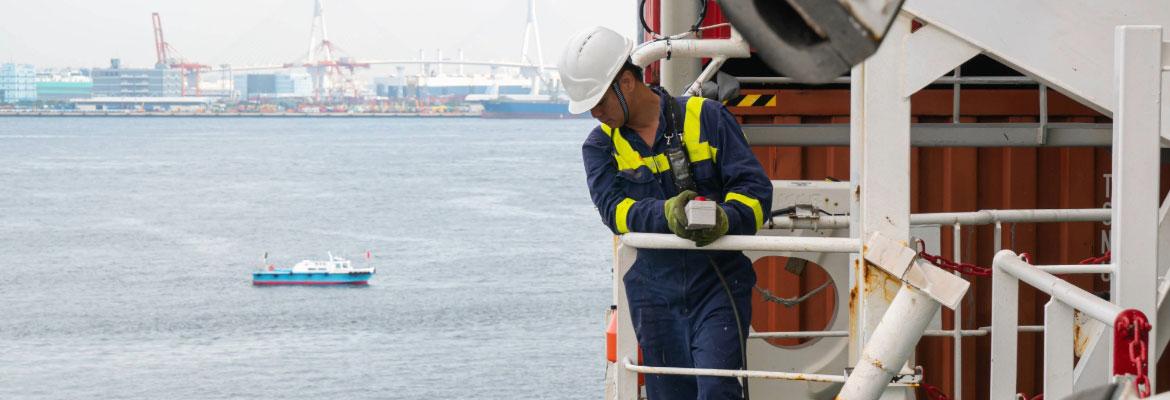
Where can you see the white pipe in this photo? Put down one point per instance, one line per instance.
(982, 217)
(731, 373)
(823, 222)
(1076, 269)
(957, 321)
(650, 52)
(696, 88)
(744, 243)
(984, 331)
(1067, 293)
(966, 80)
(797, 334)
(674, 17)
(890, 345)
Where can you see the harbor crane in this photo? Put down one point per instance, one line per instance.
(167, 56)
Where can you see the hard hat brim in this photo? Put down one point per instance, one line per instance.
(577, 107)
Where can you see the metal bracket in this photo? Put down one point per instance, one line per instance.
(903, 263)
(805, 211)
(900, 379)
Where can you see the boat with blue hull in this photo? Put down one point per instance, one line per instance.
(335, 271)
(526, 109)
(537, 106)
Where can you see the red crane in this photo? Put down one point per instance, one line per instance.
(331, 71)
(167, 56)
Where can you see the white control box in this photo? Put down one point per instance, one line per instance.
(700, 214)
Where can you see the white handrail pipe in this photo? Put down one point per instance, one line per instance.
(984, 217)
(744, 243)
(1088, 303)
(981, 217)
(1077, 269)
(731, 373)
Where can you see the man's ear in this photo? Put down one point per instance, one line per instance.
(626, 80)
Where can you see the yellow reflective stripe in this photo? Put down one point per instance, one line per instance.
(627, 158)
(751, 203)
(623, 210)
(658, 164)
(698, 151)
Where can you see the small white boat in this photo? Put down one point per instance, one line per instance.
(335, 271)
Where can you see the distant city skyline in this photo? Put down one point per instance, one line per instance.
(87, 34)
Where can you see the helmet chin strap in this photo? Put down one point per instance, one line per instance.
(622, 100)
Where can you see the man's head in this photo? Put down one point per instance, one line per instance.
(590, 64)
(614, 107)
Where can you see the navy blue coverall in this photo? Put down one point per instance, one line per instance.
(681, 314)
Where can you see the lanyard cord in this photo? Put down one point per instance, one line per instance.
(672, 121)
(622, 101)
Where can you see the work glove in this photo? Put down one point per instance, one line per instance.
(703, 237)
(676, 213)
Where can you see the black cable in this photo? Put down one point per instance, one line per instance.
(642, 18)
(702, 16)
(694, 28)
(783, 211)
(792, 210)
(738, 324)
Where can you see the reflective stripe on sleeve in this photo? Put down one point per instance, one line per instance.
(623, 210)
(752, 204)
(698, 151)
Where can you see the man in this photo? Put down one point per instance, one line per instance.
(683, 316)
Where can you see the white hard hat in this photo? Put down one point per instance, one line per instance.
(589, 63)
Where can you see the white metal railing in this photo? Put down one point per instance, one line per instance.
(983, 331)
(1130, 329)
(851, 245)
(981, 217)
(972, 218)
(744, 243)
(626, 374)
(731, 373)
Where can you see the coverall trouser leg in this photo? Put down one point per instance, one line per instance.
(700, 335)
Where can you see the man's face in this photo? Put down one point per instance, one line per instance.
(609, 109)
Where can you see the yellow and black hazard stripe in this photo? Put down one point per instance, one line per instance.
(752, 100)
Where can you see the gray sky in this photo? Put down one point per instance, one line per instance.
(77, 33)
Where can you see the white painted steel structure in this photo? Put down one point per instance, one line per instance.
(1009, 270)
(1068, 51)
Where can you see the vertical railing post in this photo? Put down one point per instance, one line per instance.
(1137, 72)
(1005, 293)
(997, 238)
(625, 381)
(957, 336)
(879, 151)
(1058, 349)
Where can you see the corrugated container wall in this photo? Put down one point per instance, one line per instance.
(945, 180)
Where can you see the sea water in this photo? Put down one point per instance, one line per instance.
(127, 244)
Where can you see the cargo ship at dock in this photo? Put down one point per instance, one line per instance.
(536, 106)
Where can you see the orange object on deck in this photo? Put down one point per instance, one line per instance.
(611, 343)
